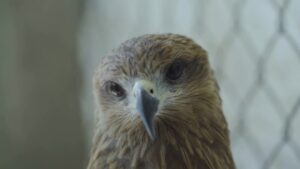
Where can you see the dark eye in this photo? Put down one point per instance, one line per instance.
(175, 70)
(115, 89)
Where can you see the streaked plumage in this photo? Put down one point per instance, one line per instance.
(189, 128)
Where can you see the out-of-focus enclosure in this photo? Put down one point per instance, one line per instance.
(49, 50)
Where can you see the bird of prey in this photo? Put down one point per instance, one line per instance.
(158, 107)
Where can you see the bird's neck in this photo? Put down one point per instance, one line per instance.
(187, 145)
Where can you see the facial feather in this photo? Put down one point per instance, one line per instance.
(189, 122)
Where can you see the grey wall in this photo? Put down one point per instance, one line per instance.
(40, 119)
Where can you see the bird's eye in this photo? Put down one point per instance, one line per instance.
(175, 70)
(115, 89)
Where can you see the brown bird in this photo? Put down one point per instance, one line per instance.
(158, 107)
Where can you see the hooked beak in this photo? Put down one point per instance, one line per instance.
(147, 106)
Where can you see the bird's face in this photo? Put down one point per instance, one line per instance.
(151, 77)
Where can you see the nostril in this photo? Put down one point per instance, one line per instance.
(151, 91)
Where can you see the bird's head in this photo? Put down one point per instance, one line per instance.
(154, 81)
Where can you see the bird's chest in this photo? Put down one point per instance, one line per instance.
(157, 157)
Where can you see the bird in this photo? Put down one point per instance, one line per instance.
(158, 107)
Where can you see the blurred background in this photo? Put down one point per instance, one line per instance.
(49, 50)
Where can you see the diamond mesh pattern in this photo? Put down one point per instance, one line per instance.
(258, 66)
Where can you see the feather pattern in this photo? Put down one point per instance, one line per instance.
(191, 129)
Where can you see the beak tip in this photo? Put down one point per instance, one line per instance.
(152, 135)
(150, 131)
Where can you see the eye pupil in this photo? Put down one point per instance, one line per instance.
(175, 71)
(116, 90)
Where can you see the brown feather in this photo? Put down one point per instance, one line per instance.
(191, 129)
